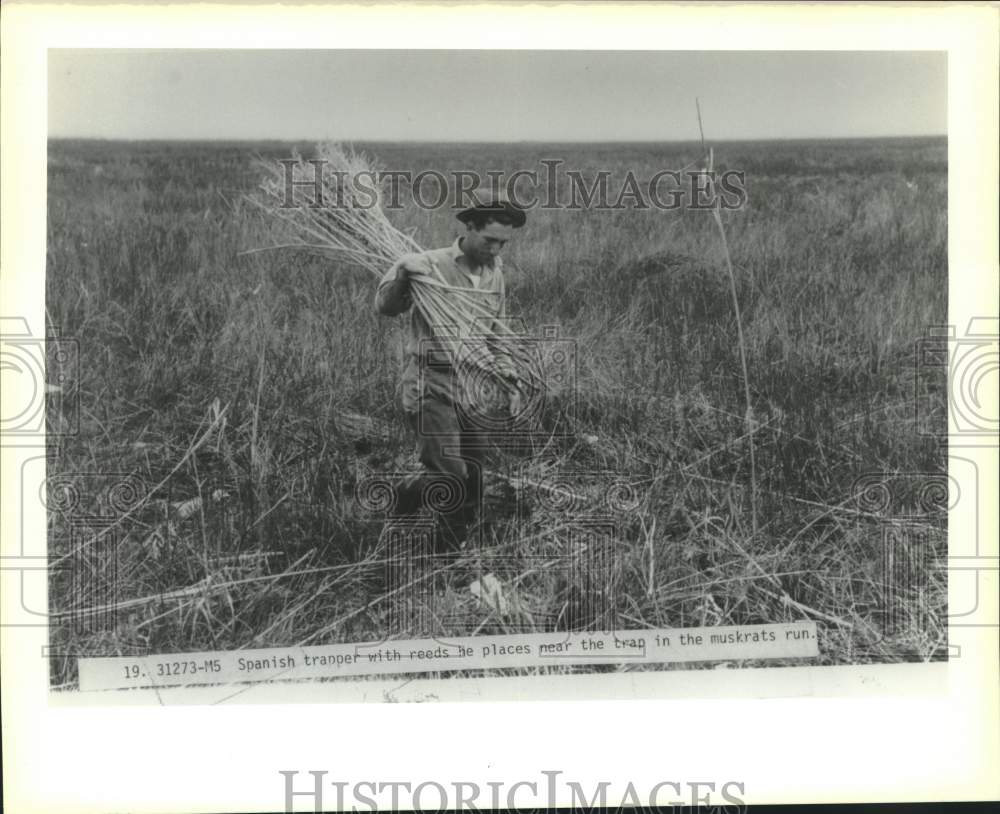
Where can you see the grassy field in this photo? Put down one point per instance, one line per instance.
(241, 394)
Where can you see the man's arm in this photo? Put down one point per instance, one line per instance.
(393, 295)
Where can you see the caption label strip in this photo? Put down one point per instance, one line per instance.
(777, 641)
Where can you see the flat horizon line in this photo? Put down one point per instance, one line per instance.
(226, 140)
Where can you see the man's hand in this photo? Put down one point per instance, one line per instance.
(400, 275)
(505, 370)
(413, 265)
(514, 404)
(393, 296)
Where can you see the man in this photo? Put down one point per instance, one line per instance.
(450, 445)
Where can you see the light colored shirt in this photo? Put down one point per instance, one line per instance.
(393, 297)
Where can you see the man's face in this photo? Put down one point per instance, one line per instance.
(482, 245)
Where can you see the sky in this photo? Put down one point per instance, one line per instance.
(494, 95)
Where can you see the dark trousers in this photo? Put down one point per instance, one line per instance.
(452, 456)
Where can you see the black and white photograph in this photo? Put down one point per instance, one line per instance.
(428, 369)
(471, 405)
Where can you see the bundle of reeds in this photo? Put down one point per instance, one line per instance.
(333, 219)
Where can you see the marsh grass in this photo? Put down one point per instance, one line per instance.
(246, 391)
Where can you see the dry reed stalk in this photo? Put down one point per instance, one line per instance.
(218, 416)
(748, 417)
(337, 225)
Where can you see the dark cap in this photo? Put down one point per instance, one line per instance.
(487, 203)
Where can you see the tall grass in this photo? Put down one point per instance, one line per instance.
(250, 389)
